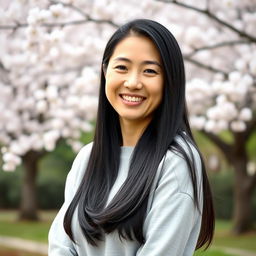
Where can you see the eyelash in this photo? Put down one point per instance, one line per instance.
(151, 71)
(124, 68)
(121, 67)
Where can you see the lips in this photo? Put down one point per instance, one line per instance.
(132, 98)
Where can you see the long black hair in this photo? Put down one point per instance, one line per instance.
(126, 211)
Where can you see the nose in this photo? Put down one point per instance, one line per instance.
(133, 82)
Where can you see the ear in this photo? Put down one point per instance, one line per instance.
(104, 69)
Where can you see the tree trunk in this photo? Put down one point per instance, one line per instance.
(28, 207)
(242, 216)
(236, 156)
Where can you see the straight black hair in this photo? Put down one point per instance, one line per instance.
(126, 212)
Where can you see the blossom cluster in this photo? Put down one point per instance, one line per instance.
(222, 104)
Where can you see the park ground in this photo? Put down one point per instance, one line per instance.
(22, 238)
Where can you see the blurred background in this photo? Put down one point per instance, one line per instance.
(50, 57)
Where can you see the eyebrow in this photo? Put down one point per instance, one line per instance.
(148, 62)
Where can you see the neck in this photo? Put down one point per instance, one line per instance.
(132, 131)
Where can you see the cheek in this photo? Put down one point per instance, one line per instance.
(113, 82)
(157, 92)
(158, 99)
(107, 85)
(110, 89)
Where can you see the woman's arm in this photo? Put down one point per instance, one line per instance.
(59, 242)
(173, 222)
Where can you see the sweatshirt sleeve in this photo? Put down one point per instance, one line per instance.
(173, 222)
(59, 243)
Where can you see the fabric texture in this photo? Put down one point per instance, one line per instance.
(172, 223)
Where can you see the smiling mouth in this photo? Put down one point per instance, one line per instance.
(132, 98)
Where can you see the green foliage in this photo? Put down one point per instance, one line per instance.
(205, 145)
(222, 187)
(87, 137)
(53, 169)
(50, 182)
(10, 188)
(212, 252)
(251, 147)
(227, 136)
(50, 193)
(222, 181)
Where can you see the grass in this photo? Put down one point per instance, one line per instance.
(11, 252)
(4, 251)
(38, 231)
(32, 230)
(224, 237)
(212, 252)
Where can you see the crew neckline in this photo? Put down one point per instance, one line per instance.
(126, 150)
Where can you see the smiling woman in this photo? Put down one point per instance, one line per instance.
(140, 188)
(134, 85)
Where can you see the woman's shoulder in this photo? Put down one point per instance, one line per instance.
(177, 162)
(182, 145)
(83, 155)
(84, 152)
(80, 163)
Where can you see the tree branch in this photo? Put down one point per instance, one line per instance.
(213, 17)
(2, 67)
(71, 6)
(218, 45)
(4, 74)
(251, 128)
(86, 18)
(58, 24)
(223, 146)
(85, 15)
(13, 27)
(204, 66)
(252, 182)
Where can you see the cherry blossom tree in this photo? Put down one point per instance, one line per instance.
(49, 62)
(48, 87)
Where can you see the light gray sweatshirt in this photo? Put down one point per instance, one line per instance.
(172, 223)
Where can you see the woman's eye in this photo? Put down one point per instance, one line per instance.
(150, 71)
(121, 67)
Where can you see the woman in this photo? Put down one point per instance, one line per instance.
(141, 187)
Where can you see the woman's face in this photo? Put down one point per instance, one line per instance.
(134, 80)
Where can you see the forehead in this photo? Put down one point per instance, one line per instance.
(136, 47)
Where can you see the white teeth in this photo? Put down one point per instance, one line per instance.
(132, 98)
